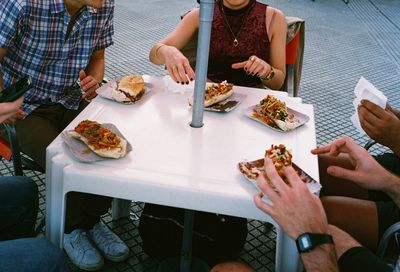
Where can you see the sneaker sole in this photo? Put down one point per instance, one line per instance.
(117, 259)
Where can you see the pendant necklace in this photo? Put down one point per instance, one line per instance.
(235, 40)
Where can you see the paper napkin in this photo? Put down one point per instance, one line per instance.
(365, 90)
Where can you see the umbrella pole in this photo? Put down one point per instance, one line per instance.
(203, 46)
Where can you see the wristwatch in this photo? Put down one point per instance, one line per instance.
(308, 241)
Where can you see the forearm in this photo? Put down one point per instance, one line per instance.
(96, 67)
(322, 258)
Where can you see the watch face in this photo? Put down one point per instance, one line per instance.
(305, 242)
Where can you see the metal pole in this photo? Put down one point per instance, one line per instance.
(186, 251)
(203, 46)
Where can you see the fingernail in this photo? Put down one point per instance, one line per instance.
(191, 79)
(177, 82)
(187, 82)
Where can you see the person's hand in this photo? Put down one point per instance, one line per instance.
(382, 125)
(88, 85)
(177, 64)
(10, 111)
(254, 66)
(293, 206)
(367, 172)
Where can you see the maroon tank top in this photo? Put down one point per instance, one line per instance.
(252, 39)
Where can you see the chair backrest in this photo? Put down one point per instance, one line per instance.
(294, 53)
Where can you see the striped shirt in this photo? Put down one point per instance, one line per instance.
(35, 35)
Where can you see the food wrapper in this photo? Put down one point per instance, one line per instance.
(82, 152)
(365, 90)
(173, 87)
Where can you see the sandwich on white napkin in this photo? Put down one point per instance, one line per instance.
(365, 90)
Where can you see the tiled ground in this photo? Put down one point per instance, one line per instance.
(343, 42)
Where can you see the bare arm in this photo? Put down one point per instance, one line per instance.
(167, 51)
(3, 52)
(277, 50)
(93, 74)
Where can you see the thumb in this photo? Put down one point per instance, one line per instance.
(82, 75)
(239, 65)
(342, 173)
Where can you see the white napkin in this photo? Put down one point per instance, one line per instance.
(172, 86)
(365, 90)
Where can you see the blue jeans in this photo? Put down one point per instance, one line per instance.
(18, 211)
(18, 207)
(31, 254)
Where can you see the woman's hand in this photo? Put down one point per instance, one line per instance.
(254, 66)
(177, 64)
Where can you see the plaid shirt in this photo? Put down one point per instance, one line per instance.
(34, 33)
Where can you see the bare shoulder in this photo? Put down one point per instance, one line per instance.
(192, 16)
(279, 15)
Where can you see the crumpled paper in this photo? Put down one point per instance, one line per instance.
(365, 90)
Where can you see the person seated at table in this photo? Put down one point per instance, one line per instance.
(348, 204)
(301, 215)
(19, 203)
(57, 43)
(247, 45)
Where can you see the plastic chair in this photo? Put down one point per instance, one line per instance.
(294, 53)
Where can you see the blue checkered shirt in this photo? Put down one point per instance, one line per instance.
(34, 33)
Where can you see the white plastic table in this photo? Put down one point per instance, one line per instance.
(176, 165)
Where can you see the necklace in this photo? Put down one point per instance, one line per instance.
(234, 36)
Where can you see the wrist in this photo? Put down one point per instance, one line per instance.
(157, 49)
(393, 188)
(307, 241)
(268, 76)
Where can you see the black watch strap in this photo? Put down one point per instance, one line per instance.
(308, 241)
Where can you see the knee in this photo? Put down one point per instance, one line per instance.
(51, 255)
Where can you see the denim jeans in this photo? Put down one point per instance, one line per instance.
(18, 211)
(18, 207)
(31, 254)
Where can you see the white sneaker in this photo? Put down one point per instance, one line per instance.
(81, 252)
(112, 247)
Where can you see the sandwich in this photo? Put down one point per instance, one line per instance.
(129, 89)
(99, 139)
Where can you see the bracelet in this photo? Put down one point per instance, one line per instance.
(159, 45)
(270, 75)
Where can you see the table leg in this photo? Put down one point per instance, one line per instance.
(287, 257)
(186, 252)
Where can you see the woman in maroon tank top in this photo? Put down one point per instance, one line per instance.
(247, 45)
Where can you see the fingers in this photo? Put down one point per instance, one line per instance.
(181, 73)
(365, 115)
(82, 74)
(342, 173)
(253, 66)
(275, 182)
(239, 65)
(372, 108)
(89, 86)
(293, 177)
(260, 203)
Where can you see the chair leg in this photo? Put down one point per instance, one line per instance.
(16, 155)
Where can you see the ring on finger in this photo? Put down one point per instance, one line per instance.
(252, 58)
